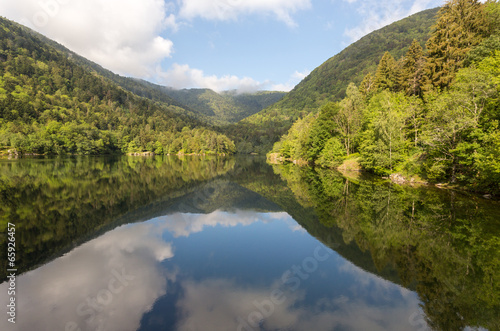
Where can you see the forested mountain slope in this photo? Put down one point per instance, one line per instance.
(329, 81)
(204, 104)
(53, 103)
(432, 116)
(225, 107)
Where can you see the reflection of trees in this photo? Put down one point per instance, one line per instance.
(444, 244)
(56, 202)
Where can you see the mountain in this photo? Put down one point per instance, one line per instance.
(329, 81)
(227, 106)
(53, 101)
(205, 104)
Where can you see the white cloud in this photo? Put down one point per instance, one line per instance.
(377, 14)
(225, 10)
(121, 35)
(294, 79)
(183, 76)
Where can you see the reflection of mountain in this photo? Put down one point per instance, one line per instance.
(57, 204)
(443, 244)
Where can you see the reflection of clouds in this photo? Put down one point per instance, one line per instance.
(183, 225)
(379, 288)
(110, 282)
(216, 304)
(220, 304)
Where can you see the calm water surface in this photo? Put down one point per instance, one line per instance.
(236, 244)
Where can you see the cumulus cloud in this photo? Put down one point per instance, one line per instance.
(377, 14)
(226, 10)
(121, 35)
(183, 76)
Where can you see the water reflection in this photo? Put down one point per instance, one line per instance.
(117, 281)
(214, 244)
(105, 284)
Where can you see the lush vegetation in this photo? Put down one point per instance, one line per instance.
(52, 104)
(442, 244)
(432, 114)
(329, 81)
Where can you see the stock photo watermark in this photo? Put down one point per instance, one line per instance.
(291, 281)
(48, 10)
(11, 271)
(91, 306)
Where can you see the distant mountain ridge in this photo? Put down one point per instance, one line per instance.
(204, 104)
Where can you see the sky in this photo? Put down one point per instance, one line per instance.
(247, 45)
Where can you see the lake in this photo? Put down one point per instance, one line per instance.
(213, 243)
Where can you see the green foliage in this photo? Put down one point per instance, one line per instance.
(332, 154)
(412, 69)
(322, 129)
(386, 76)
(52, 102)
(448, 133)
(226, 107)
(460, 26)
(383, 142)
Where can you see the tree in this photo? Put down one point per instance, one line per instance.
(412, 69)
(382, 143)
(460, 26)
(386, 76)
(323, 128)
(367, 85)
(454, 125)
(349, 117)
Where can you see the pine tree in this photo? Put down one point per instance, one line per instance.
(412, 69)
(460, 26)
(386, 75)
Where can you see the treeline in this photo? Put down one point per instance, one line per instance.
(49, 104)
(432, 114)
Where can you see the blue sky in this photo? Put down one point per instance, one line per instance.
(220, 44)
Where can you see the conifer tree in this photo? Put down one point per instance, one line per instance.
(459, 27)
(412, 69)
(386, 75)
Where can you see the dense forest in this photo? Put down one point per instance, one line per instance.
(51, 104)
(431, 115)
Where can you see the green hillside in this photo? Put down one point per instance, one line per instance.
(226, 107)
(329, 81)
(204, 104)
(55, 102)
